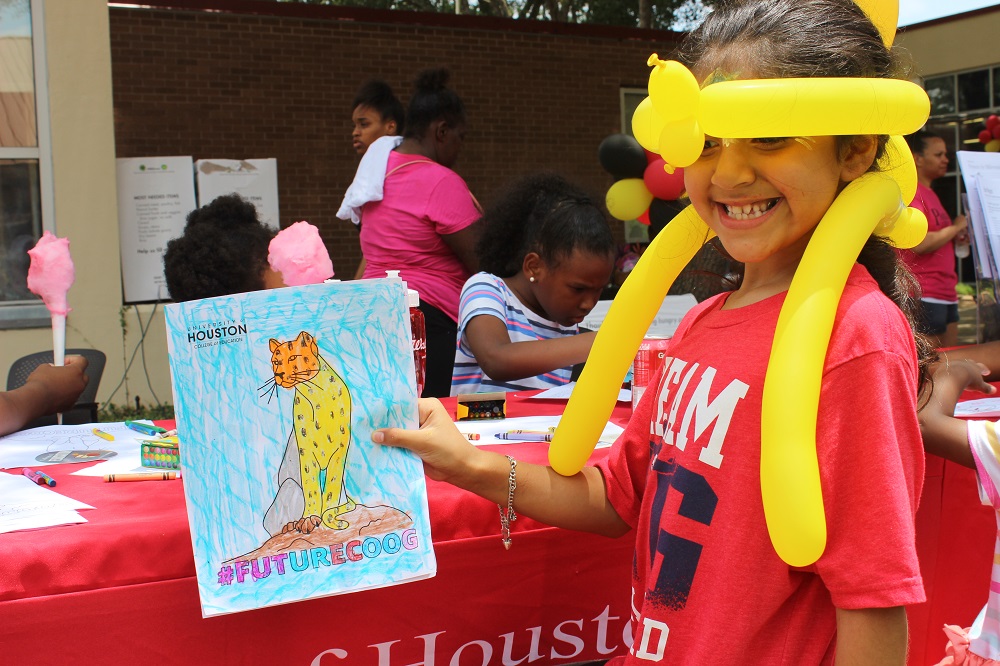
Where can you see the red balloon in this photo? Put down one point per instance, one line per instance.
(651, 156)
(644, 218)
(996, 131)
(992, 121)
(985, 136)
(663, 185)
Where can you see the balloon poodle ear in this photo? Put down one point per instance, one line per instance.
(884, 14)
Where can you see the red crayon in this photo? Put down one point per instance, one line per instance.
(41, 478)
(33, 475)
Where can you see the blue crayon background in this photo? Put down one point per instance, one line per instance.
(233, 431)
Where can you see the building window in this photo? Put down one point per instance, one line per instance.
(630, 98)
(960, 103)
(25, 167)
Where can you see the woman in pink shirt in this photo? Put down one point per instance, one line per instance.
(426, 223)
(933, 260)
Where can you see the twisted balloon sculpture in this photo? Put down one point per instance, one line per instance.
(673, 121)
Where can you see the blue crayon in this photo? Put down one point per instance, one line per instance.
(44, 479)
(145, 428)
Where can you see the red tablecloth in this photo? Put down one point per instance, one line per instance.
(121, 589)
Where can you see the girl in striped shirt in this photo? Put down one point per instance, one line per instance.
(546, 254)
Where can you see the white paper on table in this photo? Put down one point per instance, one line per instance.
(120, 464)
(487, 430)
(19, 490)
(983, 407)
(27, 505)
(36, 521)
(566, 390)
(21, 449)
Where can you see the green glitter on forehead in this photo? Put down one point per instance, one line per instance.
(718, 76)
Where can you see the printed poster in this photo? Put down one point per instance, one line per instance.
(979, 168)
(254, 180)
(276, 395)
(155, 195)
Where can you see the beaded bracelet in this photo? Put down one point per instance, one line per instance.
(507, 516)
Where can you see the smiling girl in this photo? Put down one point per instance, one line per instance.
(707, 584)
(546, 253)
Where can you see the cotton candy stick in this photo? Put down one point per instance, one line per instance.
(50, 275)
(298, 253)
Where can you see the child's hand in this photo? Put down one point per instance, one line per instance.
(445, 451)
(944, 435)
(60, 385)
(951, 377)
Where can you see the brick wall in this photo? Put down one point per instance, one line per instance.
(275, 80)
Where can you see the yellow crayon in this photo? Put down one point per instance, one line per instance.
(104, 435)
(140, 476)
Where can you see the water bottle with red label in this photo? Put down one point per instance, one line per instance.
(419, 331)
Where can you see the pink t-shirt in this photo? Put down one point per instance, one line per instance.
(935, 271)
(707, 585)
(421, 202)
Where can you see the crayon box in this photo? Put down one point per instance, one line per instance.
(481, 406)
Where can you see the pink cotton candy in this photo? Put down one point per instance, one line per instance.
(51, 272)
(298, 253)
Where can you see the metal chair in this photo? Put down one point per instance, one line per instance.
(85, 409)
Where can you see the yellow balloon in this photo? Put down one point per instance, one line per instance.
(897, 162)
(789, 469)
(812, 107)
(628, 198)
(617, 340)
(681, 143)
(993, 146)
(907, 230)
(647, 125)
(884, 14)
(673, 89)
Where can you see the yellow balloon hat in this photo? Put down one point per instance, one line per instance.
(673, 122)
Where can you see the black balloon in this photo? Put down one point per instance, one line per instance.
(622, 156)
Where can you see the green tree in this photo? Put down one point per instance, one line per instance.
(658, 14)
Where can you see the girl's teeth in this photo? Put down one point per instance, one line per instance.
(748, 211)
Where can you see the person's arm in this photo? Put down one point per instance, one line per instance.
(48, 389)
(943, 434)
(503, 360)
(360, 273)
(987, 353)
(463, 244)
(577, 502)
(871, 637)
(934, 240)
